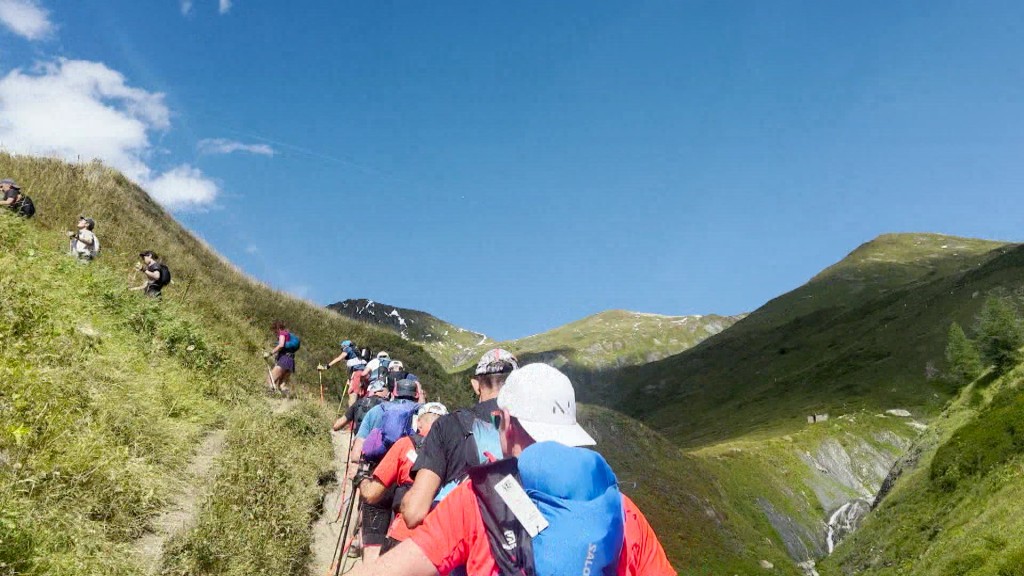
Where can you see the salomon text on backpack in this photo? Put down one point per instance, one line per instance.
(395, 424)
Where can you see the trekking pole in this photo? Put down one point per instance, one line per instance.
(348, 462)
(320, 373)
(270, 377)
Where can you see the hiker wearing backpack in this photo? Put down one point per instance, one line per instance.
(284, 356)
(393, 471)
(351, 355)
(460, 440)
(550, 509)
(376, 393)
(83, 242)
(156, 272)
(382, 427)
(397, 371)
(14, 200)
(378, 367)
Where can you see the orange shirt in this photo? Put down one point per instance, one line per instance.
(454, 534)
(393, 470)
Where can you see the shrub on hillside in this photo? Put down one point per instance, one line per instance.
(963, 362)
(991, 439)
(1000, 333)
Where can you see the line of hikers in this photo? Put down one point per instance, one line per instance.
(84, 244)
(502, 488)
(505, 487)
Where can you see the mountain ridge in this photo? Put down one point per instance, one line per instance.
(605, 340)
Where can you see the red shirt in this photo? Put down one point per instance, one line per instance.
(393, 470)
(454, 534)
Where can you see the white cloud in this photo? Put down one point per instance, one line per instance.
(224, 146)
(225, 6)
(183, 187)
(186, 7)
(81, 110)
(27, 18)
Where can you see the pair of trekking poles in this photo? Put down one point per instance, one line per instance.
(273, 385)
(349, 521)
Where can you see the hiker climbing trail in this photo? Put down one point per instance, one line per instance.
(184, 504)
(327, 526)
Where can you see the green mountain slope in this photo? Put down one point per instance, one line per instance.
(107, 395)
(866, 334)
(604, 341)
(955, 507)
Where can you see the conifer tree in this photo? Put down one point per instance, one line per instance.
(963, 362)
(1000, 334)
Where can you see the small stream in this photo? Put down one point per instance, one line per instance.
(845, 520)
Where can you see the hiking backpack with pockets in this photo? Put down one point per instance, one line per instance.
(165, 275)
(291, 344)
(585, 525)
(395, 424)
(363, 407)
(479, 439)
(25, 207)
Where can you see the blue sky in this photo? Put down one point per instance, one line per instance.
(512, 166)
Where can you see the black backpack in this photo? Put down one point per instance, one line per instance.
(25, 207)
(363, 407)
(165, 276)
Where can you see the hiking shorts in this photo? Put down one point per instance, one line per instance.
(355, 384)
(286, 362)
(376, 520)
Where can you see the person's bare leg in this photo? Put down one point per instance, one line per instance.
(283, 382)
(276, 374)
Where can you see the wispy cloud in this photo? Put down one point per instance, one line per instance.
(225, 146)
(186, 7)
(77, 109)
(225, 6)
(27, 18)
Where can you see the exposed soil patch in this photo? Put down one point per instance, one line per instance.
(327, 527)
(184, 505)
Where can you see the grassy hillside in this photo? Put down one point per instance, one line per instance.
(701, 527)
(106, 397)
(955, 510)
(109, 398)
(866, 334)
(604, 341)
(233, 306)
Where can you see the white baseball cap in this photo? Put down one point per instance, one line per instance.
(544, 402)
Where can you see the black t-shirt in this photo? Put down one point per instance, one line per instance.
(10, 195)
(444, 450)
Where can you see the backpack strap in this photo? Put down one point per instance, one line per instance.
(477, 443)
(511, 545)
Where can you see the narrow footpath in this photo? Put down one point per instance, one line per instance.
(327, 527)
(184, 504)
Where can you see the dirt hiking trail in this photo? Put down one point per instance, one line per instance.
(326, 529)
(184, 503)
